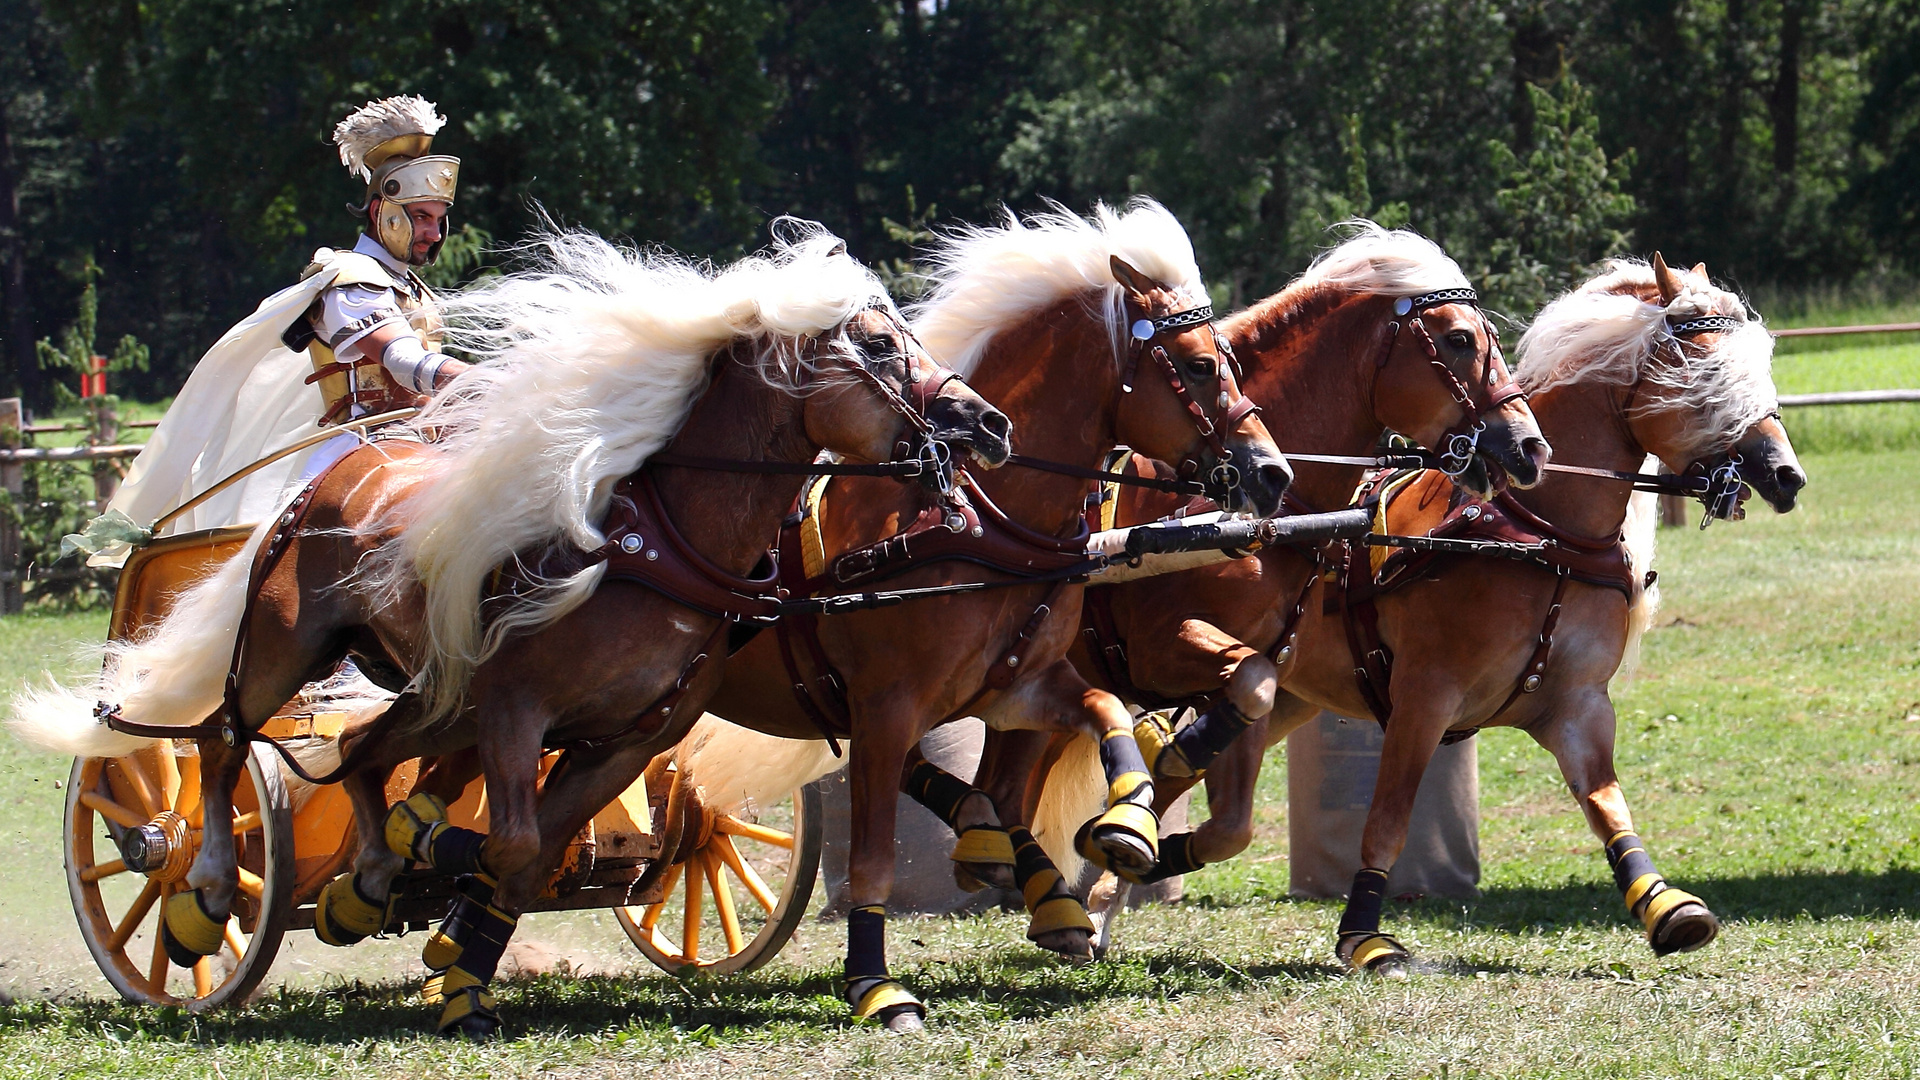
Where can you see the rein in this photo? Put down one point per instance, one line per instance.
(1172, 487)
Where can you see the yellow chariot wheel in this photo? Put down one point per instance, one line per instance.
(736, 893)
(132, 829)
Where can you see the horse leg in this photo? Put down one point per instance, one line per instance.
(1428, 706)
(195, 918)
(983, 852)
(1580, 738)
(883, 737)
(1204, 656)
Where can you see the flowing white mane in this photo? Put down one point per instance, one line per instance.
(987, 279)
(589, 363)
(1604, 332)
(1386, 262)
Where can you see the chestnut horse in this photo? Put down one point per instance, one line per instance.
(1380, 332)
(592, 364)
(1089, 333)
(1639, 360)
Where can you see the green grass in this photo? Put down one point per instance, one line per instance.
(1770, 748)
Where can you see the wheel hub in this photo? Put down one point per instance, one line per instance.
(162, 849)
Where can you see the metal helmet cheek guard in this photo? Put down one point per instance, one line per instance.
(403, 183)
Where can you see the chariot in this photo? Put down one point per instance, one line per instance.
(694, 889)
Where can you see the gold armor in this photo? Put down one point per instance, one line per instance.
(363, 383)
(388, 143)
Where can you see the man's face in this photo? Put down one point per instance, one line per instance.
(429, 228)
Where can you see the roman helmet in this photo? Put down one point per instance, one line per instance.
(387, 144)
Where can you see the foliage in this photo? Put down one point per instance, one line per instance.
(1561, 210)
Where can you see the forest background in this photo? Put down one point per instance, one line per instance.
(177, 149)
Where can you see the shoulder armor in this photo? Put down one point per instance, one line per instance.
(354, 268)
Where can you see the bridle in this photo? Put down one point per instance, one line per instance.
(1459, 444)
(919, 455)
(1720, 495)
(1223, 480)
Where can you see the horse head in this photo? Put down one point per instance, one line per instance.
(1180, 398)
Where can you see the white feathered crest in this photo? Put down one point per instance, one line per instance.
(376, 122)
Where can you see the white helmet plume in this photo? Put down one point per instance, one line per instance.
(376, 123)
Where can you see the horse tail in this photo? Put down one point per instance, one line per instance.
(1643, 520)
(173, 673)
(736, 768)
(1075, 792)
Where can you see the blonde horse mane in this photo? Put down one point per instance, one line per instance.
(1605, 331)
(1370, 259)
(986, 279)
(587, 364)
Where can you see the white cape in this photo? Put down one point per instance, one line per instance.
(245, 399)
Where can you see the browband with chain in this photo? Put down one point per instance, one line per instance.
(1706, 324)
(1408, 304)
(1145, 329)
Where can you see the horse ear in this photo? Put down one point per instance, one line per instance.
(1663, 278)
(1130, 279)
(1700, 269)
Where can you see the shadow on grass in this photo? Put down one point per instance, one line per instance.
(1012, 986)
(1760, 898)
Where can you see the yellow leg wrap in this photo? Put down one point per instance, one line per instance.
(1638, 890)
(1125, 786)
(410, 825)
(1134, 818)
(1038, 886)
(1662, 903)
(1154, 735)
(343, 917)
(1059, 913)
(885, 995)
(441, 952)
(470, 1011)
(984, 844)
(1374, 949)
(191, 926)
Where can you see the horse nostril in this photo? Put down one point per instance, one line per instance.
(1789, 479)
(1277, 478)
(995, 423)
(1536, 450)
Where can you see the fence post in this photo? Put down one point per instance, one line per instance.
(105, 423)
(13, 478)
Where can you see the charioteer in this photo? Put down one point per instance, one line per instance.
(357, 336)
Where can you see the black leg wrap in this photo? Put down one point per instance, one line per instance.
(867, 943)
(1120, 756)
(1211, 733)
(938, 790)
(1369, 893)
(470, 914)
(1629, 860)
(457, 851)
(1176, 858)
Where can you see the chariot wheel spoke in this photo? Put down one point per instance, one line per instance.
(690, 914)
(236, 938)
(651, 916)
(723, 901)
(157, 974)
(141, 905)
(246, 822)
(169, 776)
(189, 805)
(249, 882)
(111, 810)
(752, 831)
(203, 976)
(143, 788)
(104, 870)
(747, 874)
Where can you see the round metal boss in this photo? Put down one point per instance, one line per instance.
(1402, 305)
(631, 543)
(1142, 329)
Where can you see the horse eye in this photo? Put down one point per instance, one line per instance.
(1200, 369)
(1460, 339)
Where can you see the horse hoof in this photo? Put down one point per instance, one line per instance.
(1688, 927)
(475, 1027)
(1074, 945)
(1392, 968)
(902, 1019)
(1127, 852)
(973, 877)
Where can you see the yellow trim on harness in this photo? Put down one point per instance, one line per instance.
(884, 995)
(813, 547)
(984, 844)
(1640, 885)
(1377, 947)
(190, 924)
(1661, 905)
(1059, 913)
(1377, 557)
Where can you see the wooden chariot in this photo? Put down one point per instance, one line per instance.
(672, 871)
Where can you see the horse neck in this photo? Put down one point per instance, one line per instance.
(1055, 378)
(1584, 423)
(1309, 366)
(731, 517)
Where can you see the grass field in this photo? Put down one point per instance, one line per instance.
(1771, 748)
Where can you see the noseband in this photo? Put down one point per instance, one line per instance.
(1224, 479)
(935, 456)
(1459, 444)
(1723, 487)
